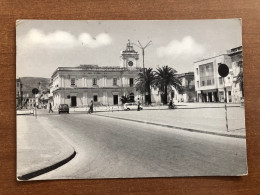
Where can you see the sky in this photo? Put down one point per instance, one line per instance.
(44, 45)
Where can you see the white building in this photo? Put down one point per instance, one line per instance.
(209, 85)
(188, 93)
(77, 86)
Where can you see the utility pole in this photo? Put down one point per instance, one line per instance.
(223, 71)
(143, 48)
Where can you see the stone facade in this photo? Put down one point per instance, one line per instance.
(77, 86)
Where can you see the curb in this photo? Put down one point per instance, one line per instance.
(176, 127)
(46, 169)
(25, 114)
(178, 108)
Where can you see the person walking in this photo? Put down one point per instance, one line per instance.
(170, 104)
(50, 108)
(138, 104)
(91, 107)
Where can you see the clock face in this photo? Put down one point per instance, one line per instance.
(130, 63)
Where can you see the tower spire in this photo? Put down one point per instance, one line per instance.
(129, 56)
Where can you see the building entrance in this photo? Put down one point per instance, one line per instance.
(210, 96)
(73, 101)
(204, 97)
(115, 99)
(215, 94)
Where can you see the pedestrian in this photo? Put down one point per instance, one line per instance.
(91, 107)
(171, 106)
(138, 104)
(50, 108)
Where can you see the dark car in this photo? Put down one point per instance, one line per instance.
(64, 108)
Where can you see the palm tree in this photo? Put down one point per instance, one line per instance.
(240, 79)
(144, 82)
(165, 77)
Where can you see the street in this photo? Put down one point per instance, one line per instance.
(113, 148)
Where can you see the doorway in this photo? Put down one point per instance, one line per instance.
(73, 101)
(210, 96)
(215, 94)
(115, 99)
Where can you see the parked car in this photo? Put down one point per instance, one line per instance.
(131, 106)
(64, 108)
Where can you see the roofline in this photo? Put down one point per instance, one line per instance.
(211, 57)
(99, 69)
(186, 74)
(235, 53)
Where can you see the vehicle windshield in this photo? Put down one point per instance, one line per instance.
(64, 106)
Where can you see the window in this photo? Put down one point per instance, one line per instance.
(131, 82)
(206, 74)
(220, 80)
(94, 81)
(197, 70)
(114, 81)
(95, 98)
(198, 85)
(72, 81)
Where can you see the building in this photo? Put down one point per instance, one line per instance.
(237, 67)
(19, 95)
(209, 85)
(188, 93)
(77, 86)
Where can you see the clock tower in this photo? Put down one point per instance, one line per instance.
(129, 57)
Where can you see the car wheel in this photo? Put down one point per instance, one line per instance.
(68, 112)
(128, 109)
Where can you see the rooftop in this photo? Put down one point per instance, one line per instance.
(235, 50)
(186, 74)
(90, 67)
(129, 48)
(229, 52)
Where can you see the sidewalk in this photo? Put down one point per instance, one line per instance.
(203, 120)
(24, 112)
(39, 147)
(180, 105)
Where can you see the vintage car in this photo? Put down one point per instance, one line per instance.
(64, 108)
(131, 106)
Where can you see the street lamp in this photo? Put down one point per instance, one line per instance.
(143, 48)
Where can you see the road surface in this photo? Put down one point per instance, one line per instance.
(112, 148)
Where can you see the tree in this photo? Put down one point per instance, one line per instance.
(124, 99)
(240, 79)
(165, 77)
(144, 82)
